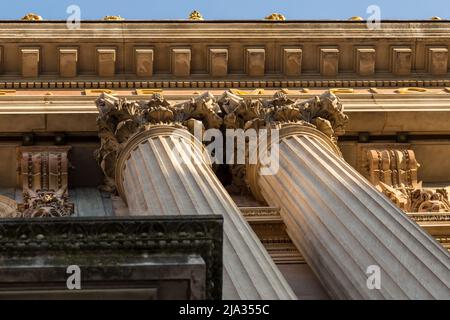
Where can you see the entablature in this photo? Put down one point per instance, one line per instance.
(233, 50)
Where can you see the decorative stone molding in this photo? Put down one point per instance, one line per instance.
(43, 172)
(394, 172)
(137, 236)
(226, 83)
(271, 230)
(418, 200)
(394, 167)
(426, 200)
(429, 217)
(343, 35)
(47, 204)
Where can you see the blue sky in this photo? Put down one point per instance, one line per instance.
(227, 9)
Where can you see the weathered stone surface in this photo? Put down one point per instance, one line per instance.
(106, 63)
(329, 61)
(365, 61)
(156, 252)
(437, 61)
(292, 61)
(256, 62)
(181, 62)
(401, 61)
(30, 62)
(218, 65)
(68, 60)
(144, 62)
(237, 36)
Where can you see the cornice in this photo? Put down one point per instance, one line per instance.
(63, 237)
(118, 30)
(357, 102)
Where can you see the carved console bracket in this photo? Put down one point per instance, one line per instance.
(43, 176)
(394, 172)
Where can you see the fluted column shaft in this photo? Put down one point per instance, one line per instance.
(342, 224)
(163, 171)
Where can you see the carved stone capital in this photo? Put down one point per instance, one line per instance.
(324, 112)
(120, 119)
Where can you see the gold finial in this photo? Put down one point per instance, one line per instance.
(31, 17)
(275, 17)
(112, 18)
(435, 18)
(195, 15)
(356, 18)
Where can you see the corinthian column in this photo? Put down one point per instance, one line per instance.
(162, 170)
(343, 225)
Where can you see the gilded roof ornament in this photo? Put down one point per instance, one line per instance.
(435, 18)
(113, 18)
(195, 15)
(276, 17)
(355, 18)
(31, 17)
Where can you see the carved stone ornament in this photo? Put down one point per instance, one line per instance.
(394, 172)
(43, 172)
(46, 204)
(420, 200)
(69, 236)
(119, 119)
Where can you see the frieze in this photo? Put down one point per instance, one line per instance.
(152, 235)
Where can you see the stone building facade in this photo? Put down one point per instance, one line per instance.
(94, 122)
